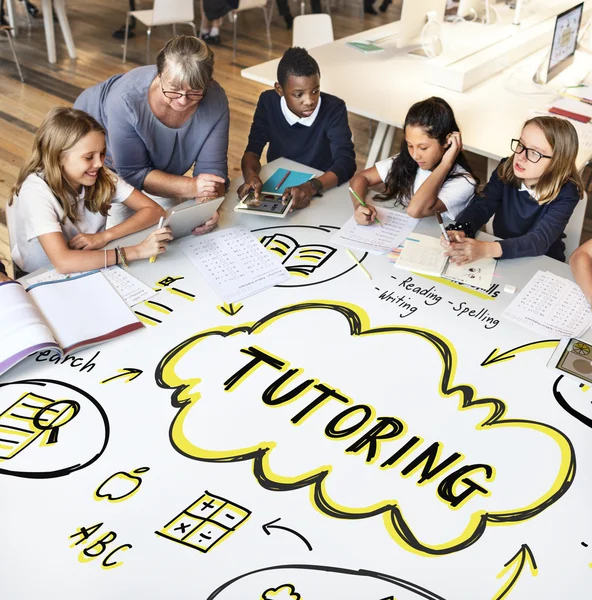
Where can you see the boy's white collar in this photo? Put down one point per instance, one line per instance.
(293, 119)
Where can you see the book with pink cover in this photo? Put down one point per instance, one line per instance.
(66, 315)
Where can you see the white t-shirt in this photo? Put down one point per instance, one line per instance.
(36, 211)
(455, 193)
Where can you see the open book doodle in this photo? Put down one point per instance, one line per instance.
(298, 260)
(60, 315)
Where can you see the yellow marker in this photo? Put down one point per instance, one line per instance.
(358, 263)
(160, 222)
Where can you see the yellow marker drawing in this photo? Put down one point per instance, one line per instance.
(127, 373)
(517, 562)
(284, 592)
(205, 522)
(230, 309)
(495, 356)
(120, 486)
(31, 417)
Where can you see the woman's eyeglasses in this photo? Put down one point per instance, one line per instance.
(531, 155)
(194, 96)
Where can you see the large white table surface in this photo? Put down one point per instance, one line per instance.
(382, 86)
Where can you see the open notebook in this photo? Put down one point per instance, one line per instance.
(65, 315)
(424, 254)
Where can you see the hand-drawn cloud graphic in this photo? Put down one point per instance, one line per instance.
(301, 431)
(319, 582)
(49, 429)
(284, 592)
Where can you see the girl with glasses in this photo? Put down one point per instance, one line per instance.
(164, 120)
(531, 196)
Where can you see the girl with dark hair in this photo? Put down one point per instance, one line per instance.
(429, 174)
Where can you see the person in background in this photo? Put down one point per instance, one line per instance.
(301, 123)
(3, 276)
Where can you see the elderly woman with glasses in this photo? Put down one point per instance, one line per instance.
(163, 120)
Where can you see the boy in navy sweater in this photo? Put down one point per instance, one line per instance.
(302, 124)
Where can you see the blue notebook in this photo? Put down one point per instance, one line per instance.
(294, 178)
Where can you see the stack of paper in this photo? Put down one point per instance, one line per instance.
(394, 227)
(551, 305)
(234, 263)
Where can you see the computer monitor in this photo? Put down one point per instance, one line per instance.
(414, 16)
(565, 40)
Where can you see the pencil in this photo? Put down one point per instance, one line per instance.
(362, 203)
(160, 222)
(358, 263)
(441, 223)
(279, 185)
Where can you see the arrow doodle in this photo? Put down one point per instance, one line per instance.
(518, 560)
(272, 525)
(129, 374)
(230, 309)
(496, 357)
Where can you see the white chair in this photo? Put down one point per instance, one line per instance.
(7, 30)
(164, 12)
(248, 5)
(573, 231)
(310, 31)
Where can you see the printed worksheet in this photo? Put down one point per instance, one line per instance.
(550, 304)
(377, 238)
(234, 263)
(422, 254)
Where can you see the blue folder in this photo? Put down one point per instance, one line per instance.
(294, 178)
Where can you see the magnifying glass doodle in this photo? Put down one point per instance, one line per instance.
(57, 417)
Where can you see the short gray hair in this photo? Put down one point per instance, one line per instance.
(187, 61)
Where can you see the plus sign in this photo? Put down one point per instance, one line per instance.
(182, 527)
(206, 505)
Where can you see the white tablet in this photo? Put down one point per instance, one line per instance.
(269, 205)
(185, 217)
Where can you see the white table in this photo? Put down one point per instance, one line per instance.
(346, 334)
(47, 8)
(383, 86)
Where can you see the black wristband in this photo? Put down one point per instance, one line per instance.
(466, 227)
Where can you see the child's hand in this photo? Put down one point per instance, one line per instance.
(466, 250)
(154, 244)
(88, 241)
(253, 184)
(302, 195)
(455, 236)
(365, 215)
(208, 225)
(454, 142)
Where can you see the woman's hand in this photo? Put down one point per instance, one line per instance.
(89, 241)
(365, 215)
(253, 184)
(208, 186)
(208, 225)
(155, 243)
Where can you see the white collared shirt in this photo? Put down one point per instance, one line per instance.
(524, 188)
(293, 119)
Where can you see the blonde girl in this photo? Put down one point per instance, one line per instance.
(532, 195)
(61, 199)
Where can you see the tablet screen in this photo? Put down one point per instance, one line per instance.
(269, 204)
